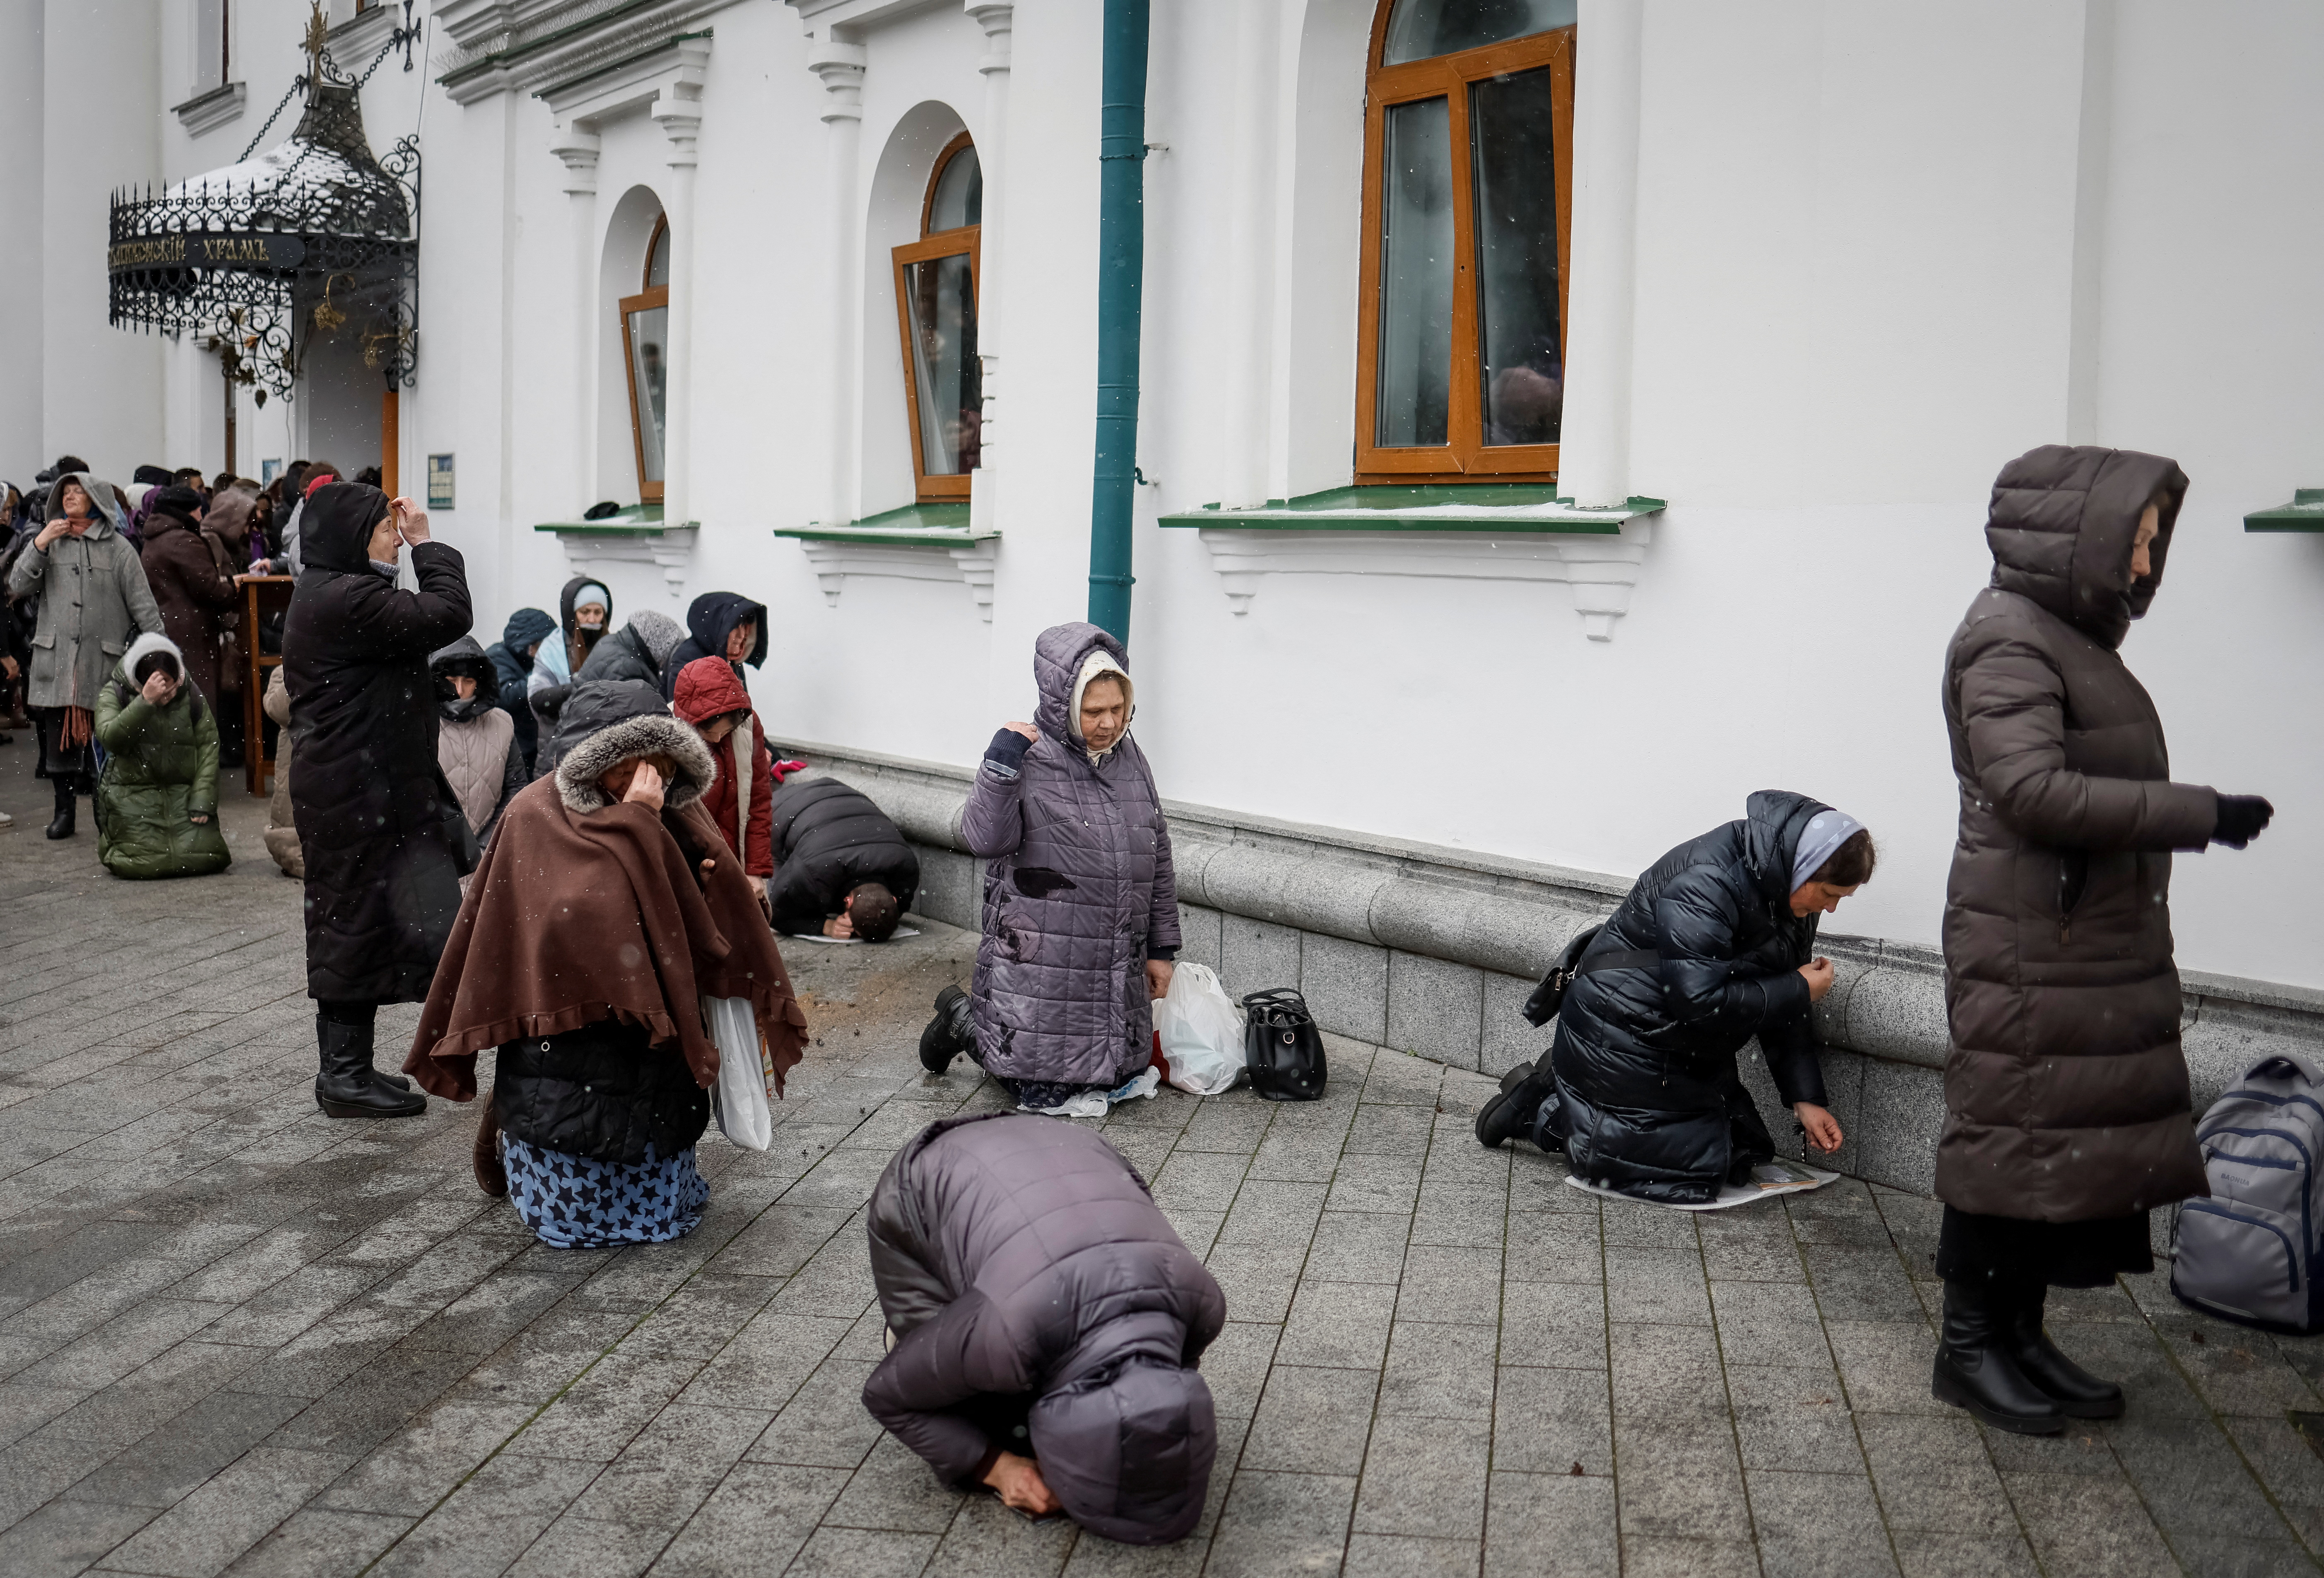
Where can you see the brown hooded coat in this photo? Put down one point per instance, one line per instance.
(2066, 1092)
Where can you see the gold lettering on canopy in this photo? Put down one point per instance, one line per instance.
(259, 250)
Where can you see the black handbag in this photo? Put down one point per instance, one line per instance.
(1542, 1005)
(1281, 1047)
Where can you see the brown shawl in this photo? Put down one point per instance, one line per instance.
(580, 915)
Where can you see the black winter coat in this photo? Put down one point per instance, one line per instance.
(527, 627)
(1019, 1255)
(710, 618)
(829, 837)
(603, 1091)
(382, 884)
(1650, 1100)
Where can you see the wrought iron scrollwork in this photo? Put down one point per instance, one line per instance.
(314, 239)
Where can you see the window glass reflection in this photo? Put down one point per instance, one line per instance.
(959, 198)
(1512, 124)
(649, 377)
(947, 380)
(1422, 28)
(1414, 374)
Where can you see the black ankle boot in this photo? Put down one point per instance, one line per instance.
(948, 1035)
(1974, 1370)
(1510, 1113)
(345, 1086)
(2079, 1394)
(62, 827)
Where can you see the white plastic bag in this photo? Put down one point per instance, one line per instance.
(1201, 1032)
(739, 1100)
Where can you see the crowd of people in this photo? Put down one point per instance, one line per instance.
(576, 849)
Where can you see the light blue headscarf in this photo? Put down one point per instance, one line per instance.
(1826, 831)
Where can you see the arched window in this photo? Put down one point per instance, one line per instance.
(1468, 181)
(935, 313)
(645, 337)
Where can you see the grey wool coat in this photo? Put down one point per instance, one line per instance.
(93, 602)
(1078, 889)
(2066, 1090)
(1021, 1256)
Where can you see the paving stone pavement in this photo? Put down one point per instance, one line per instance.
(237, 1336)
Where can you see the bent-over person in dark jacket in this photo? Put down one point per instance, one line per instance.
(842, 867)
(1045, 1323)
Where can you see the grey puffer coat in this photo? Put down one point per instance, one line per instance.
(94, 600)
(2066, 1090)
(1078, 895)
(1019, 1255)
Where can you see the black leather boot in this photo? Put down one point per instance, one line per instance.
(345, 1086)
(949, 1034)
(1974, 1371)
(62, 827)
(2079, 1394)
(1510, 1113)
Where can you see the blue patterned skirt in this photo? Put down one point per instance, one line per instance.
(576, 1203)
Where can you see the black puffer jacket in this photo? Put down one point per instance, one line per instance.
(829, 836)
(368, 798)
(603, 1092)
(581, 710)
(710, 618)
(1022, 1256)
(1649, 1101)
(634, 651)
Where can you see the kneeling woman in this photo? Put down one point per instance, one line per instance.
(1711, 948)
(1044, 1323)
(606, 910)
(157, 799)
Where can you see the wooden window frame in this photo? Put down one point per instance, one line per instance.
(1465, 457)
(648, 296)
(965, 241)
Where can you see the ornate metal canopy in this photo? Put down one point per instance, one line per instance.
(314, 239)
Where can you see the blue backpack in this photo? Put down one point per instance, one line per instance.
(2250, 1252)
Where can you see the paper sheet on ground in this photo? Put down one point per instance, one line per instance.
(817, 936)
(1768, 1179)
(1094, 1103)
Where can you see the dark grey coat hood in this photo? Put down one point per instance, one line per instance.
(2061, 527)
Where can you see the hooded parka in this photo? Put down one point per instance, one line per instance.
(741, 801)
(710, 620)
(475, 743)
(1017, 1256)
(512, 658)
(1648, 1101)
(161, 771)
(634, 651)
(382, 886)
(1079, 892)
(191, 592)
(93, 599)
(2066, 1092)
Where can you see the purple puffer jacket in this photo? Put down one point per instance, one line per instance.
(1021, 1256)
(1078, 891)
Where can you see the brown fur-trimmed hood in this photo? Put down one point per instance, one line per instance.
(645, 734)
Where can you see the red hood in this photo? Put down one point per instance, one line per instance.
(709, 688)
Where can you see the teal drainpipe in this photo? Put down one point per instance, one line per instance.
(1121, 268)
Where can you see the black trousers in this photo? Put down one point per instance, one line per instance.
(75, 766)
(2013, 1253)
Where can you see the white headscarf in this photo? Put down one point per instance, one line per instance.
(1100, 661)
(1826, 831)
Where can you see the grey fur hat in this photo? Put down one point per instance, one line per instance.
(644, 733)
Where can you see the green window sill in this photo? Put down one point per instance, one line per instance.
(1429, 507)
(637, 520)
(2304, 513)
(913, 526)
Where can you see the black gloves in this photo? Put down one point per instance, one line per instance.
(1009, 747)
(2241, 820)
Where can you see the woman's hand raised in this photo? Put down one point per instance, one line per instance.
(645, 786)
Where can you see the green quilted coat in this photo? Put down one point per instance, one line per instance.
(161, 769)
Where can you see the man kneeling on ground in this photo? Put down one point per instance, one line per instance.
(1711, 948)
(1045, 1322)
(842, 867)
